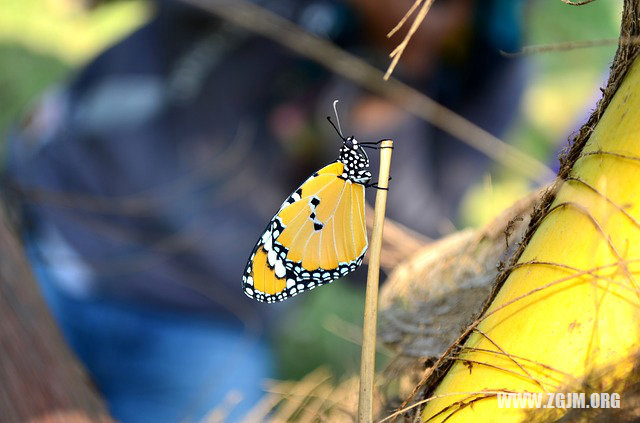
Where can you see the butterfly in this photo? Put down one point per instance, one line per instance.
(319, 233)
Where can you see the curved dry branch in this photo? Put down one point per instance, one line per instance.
(260, 21)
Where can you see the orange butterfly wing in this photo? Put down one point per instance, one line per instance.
(318, 235)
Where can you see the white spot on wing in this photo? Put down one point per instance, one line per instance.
(266, 235)
(268, 244)
(279, 269)
(271, 257)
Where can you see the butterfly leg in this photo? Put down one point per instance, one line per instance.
(375, 185)
(374, 145)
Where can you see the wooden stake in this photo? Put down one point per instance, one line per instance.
(368, 361)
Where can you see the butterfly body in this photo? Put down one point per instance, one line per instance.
(317, 236)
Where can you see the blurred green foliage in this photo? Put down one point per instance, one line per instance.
(323, 329)
(23, 75)
(42, 40)
(65, 29)
(562, 91)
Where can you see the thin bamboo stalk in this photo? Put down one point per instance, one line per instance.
(367, 367)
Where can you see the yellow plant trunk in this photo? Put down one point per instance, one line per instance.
(571, 307)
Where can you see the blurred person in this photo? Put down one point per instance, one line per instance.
(144, 181)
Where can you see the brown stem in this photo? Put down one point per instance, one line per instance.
(41, 380)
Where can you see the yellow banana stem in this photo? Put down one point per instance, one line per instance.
(571, 306)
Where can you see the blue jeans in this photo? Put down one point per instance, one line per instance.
(157, 366)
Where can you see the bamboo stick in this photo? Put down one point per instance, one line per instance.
(367, 366)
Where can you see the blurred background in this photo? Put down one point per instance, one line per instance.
(43, 41)
(46, 44)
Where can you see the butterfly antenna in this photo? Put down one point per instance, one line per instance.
(334, 127)
(335, 110)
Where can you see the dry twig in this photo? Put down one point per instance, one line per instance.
(260, 21)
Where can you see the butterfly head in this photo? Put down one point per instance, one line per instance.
(352, 155)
